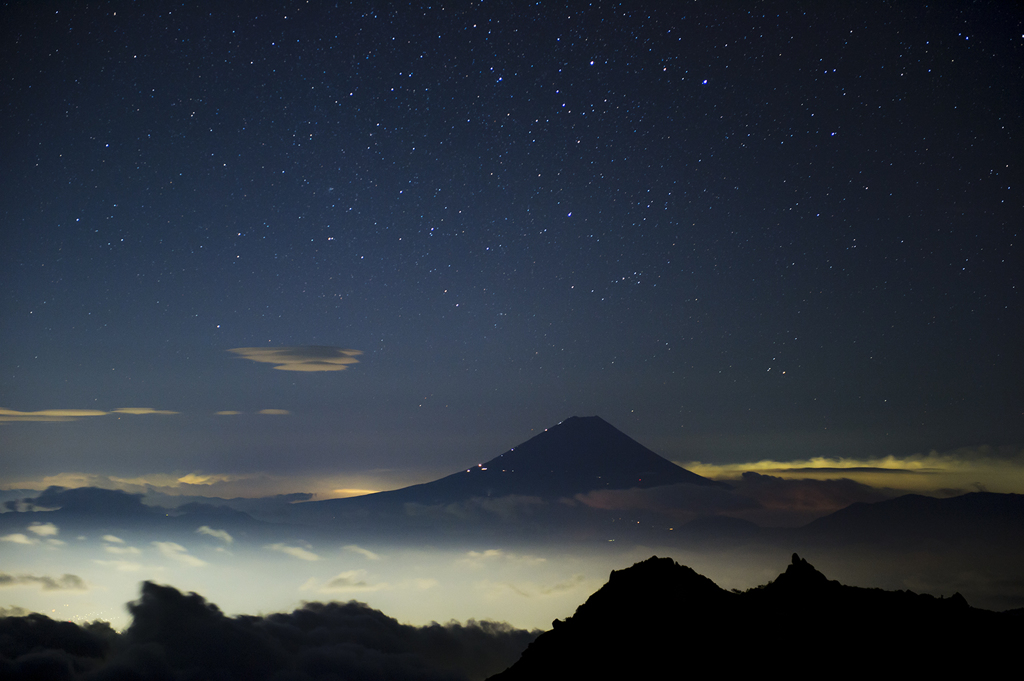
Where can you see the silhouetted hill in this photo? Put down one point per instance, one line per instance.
(912, 518)
(97, 510)
(578, 455)
(659, 617)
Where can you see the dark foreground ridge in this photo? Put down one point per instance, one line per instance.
(660, 616)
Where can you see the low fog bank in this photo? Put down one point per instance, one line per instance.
(176, 635)
(520, 559)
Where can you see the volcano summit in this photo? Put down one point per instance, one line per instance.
(579, 455)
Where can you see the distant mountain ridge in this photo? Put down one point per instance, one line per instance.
(914, 517)
(578, 455)
(657, 615)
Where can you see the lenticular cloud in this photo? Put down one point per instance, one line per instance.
(302, 358)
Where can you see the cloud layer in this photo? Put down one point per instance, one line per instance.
(174, 635)
(65, 582)
(58, 415)
(302, 358)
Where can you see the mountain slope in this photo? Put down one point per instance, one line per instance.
(978, 516)
(578, 455)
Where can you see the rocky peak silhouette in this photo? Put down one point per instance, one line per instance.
(658, 616)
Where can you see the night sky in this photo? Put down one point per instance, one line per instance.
(312, 246)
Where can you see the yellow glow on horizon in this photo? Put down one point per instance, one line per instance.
(250, 486)
(967, 469)
(352, 492)
(200, 479)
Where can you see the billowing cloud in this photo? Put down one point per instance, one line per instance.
(176, 635)
(43, 529)
(178, 553)
(294, 551)
(302, 358)
(63, 583)
(19, 538)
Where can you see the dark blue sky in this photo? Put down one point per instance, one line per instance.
(758, 230)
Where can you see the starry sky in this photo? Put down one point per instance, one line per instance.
(279, 247)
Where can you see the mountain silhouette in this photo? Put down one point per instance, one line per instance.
(580, 454)
(658, 616)
(913, 518)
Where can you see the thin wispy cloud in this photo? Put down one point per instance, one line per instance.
(48, 414)
(120, 565)
(302, 358)
(362, 552)
(59, 415)
(204, 479)
(210, 484)
(178, 553)
(568, 585)
(274, 412)
(479, 559)
(352, 581)
(293, 551)
(65, 582)
(996, 469)
(122, 550)
(497, 590)
(217, 534)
